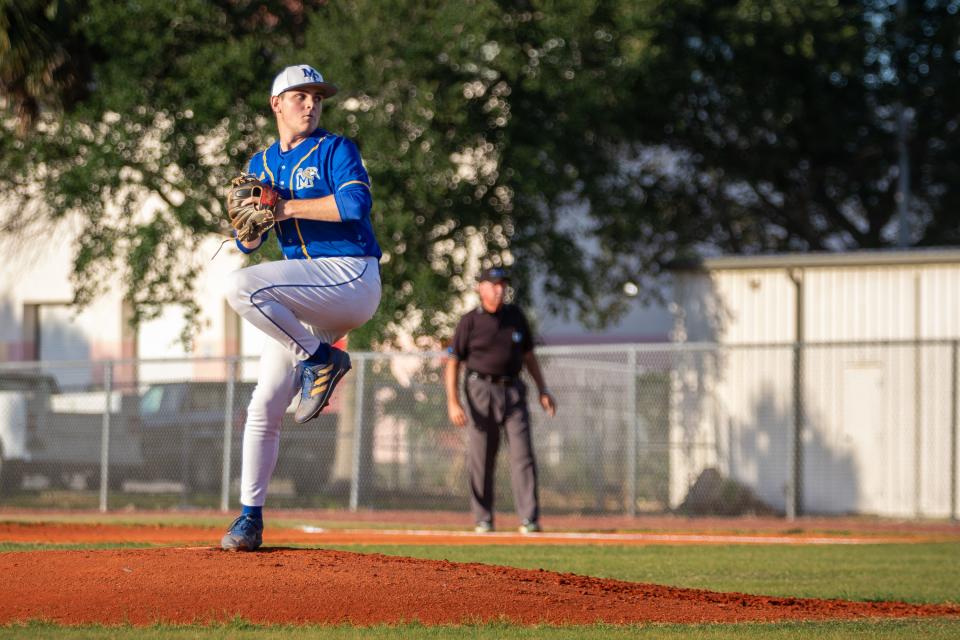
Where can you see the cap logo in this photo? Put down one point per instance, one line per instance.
(310, 74)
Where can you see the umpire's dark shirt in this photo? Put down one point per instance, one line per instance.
(493, 343)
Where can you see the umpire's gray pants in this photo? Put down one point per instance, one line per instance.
(492, 407)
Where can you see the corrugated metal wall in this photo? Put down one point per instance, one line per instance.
(876, 418)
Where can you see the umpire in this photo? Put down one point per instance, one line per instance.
(494, 342)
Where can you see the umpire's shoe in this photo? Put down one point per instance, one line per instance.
(245, 534)
(530, 526)
(317, 383)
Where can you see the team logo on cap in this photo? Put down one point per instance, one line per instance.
(311, 74)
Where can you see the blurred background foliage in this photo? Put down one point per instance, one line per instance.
(591, 141)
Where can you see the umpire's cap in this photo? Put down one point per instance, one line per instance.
(302, 75)
(494, 274)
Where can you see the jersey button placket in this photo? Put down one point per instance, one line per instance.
(297, 237)
(281, 178)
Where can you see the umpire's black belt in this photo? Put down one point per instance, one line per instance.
(504, 380)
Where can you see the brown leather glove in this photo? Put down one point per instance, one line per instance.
(252, 219)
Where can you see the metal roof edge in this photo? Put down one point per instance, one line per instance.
(868, 257)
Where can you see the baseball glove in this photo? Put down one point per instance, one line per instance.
(253, 219)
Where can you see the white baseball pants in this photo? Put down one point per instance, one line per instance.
(298, 303)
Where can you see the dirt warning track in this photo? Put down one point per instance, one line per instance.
(77, 533)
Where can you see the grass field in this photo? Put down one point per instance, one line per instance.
(916, 573)
(895, 630)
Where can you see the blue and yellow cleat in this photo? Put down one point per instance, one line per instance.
(245, 534)
(317, 383)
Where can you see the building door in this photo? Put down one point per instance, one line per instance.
(863, 436)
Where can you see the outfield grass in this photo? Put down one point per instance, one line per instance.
(917, 573)
(886, 630)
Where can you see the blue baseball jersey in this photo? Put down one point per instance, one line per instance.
(323, 164)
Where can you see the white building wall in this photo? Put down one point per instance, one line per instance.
(733, 407)
(860, 303)
(160, 337)
(34, 272)
(36, 276)
(900, 456)
(858, 401)
(39, 273)
(940, 294)
(876, 419)
(758, 306)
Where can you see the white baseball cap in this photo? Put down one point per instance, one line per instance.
(301, 75)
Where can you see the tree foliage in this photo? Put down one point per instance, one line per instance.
(174, 106)
(593, 141)
(45, 61)
(477, 120)
(781, 119)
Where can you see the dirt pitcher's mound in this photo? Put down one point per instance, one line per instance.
(306, 585)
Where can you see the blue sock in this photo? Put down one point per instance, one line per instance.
(321, 355)
(253, 512)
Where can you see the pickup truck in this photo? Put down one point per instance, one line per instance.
(181, 427)
(24, 401)
(37, 438)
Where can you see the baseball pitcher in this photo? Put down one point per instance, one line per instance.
(311, 189)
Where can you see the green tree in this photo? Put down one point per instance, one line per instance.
(770, 126)
(43, 60)
(175, 107)
(481, 119)
(593, 140)
(473, 117)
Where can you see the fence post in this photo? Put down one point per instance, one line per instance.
(954, 347)
(632, 434)
(794, 506)
(228, 435)
(795, 444)
(357, 435)
(105, 435)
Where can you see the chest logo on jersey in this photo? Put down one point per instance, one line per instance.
(305, 177)
(517, 337)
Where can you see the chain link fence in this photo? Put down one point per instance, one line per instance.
(863, 428)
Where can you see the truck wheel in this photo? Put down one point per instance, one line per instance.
(156, 457)
(205, 475)
(117, 478)
(308, 482)
(11, 474)
(310, 476)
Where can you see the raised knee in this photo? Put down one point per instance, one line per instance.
(237, 290)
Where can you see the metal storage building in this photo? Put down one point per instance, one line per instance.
(827, 383)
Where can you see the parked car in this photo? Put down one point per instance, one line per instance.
(181, 427)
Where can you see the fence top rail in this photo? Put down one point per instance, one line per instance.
(547, 350)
